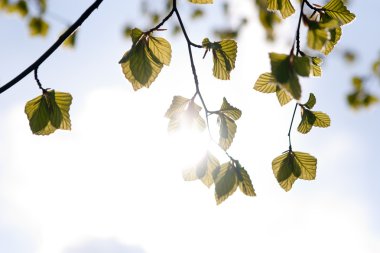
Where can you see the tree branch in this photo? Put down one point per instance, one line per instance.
(291, 125)
(53, 48)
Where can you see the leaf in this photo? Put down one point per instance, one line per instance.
(49, 112)
(161, 49)
(316, 69)
(226, 120)
(337, 10)
(178, 105)
(321, 119)
(266, 83)
(38, 26)
(283, 96)
(311, 101)
(302, 65)
(245, 183)
(203, 170)
(144, 61)
(284, 6)
(227, 131)
(317, 38)
(291, 165)
(280, 66)
(201, 1)
(293, 86)
(224, 57)
(71, 40)
(184, 112)
(230, 111)
(226, 182)
(335, 35)
(307, 121)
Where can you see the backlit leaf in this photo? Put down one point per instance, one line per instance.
(38, 27)
(144, 61)
(336, 9)
(283, 96)
(266, 83)
(224, 57)
(316, 69)
(49, 112)
(245, 183)
(307, 121)
(284, 6)
(321, 119)
(178, 105)
(280, 66)
(226, 182)
(203, 170)
(230, 111)
(292, 165)
(302, 65)
(311, 101)
(293, 86)
(201, 1)
(227, 131)
(335, 35)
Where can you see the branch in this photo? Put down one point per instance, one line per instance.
(291, 125)
(298, 29)
(53, 48)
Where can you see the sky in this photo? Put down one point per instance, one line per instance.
(114, 183)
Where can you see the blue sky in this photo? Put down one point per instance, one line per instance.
(114, 182)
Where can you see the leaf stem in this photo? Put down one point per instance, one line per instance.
(312, 6)
(53, 48)
(291, 125)
(162, 22)
(38, 80)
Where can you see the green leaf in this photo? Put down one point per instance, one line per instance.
(302, 65)
(71, 40)
(283, 96)
(245, 183)
(337, 10)
(226, 182)
(179, 104)
(226, 120)
(144, 61)
(335, 35)
(203, 170)
(291, 165)
(49, 112)
(230, 111)
(201, 1)
(317, 38)
(161, 49)
(293, 86)
(280, 66)
(38, 26)
(316, 69)
(284, 6)
(224, 57)
(227, 131)
(311, 101)
(321, 119)
(266, 83)
(307, 121)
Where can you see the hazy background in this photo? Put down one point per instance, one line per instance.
(113, 184)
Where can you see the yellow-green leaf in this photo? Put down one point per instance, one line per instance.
(307, 121)
(292, 165)
(226, 182)
(49, 112)
(316, 69)
(70, 41)
(321, 119)
(302, 65)
(230, 111)
(227, 131)
(203, 170)
(336, 9)
(161, 49)
(224, 57)
(283, 96)
(311, 101)
(317, 38)
(178, 105)
(334, 37)
(266, 83)
(38, 27)
(284, 6)
(293, 86)
(201, 1)
(245, 183)
(280, 66)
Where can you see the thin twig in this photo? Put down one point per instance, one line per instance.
(53, 48)
(291, 125)
(299, 28)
